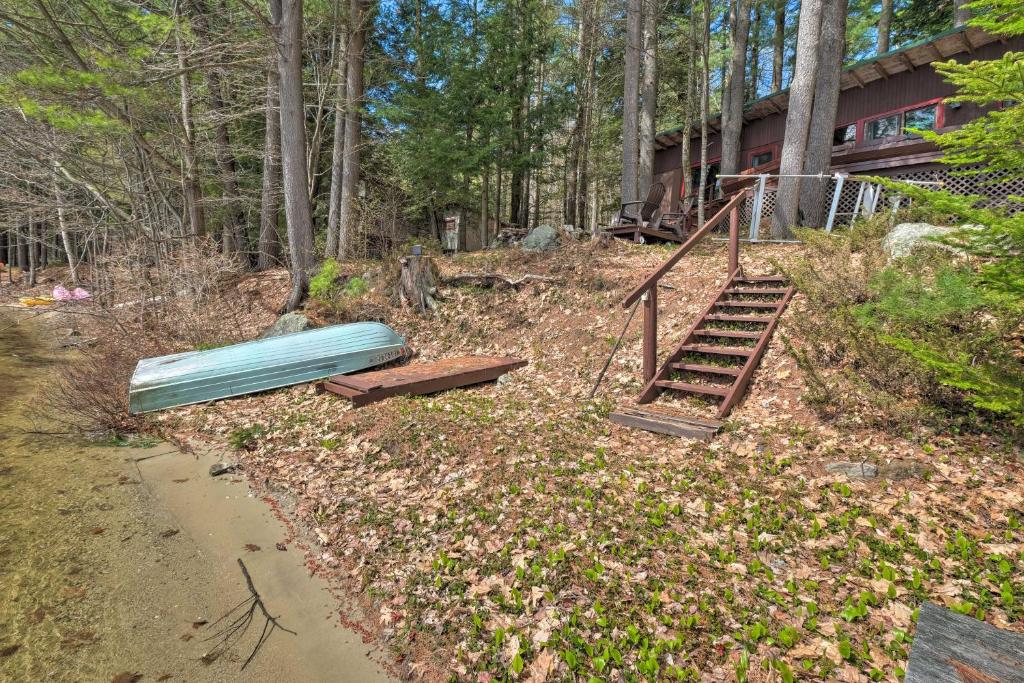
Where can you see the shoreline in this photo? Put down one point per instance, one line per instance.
(120, 560)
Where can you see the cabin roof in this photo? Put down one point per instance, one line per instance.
(857, 75)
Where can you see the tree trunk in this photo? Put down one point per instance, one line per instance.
(65, 237)
(337, 159)
(884, 26)
(961, 14)
(686, 188)
(416, 285)
(631, 100)
(798, 118)
(705, 86)
(649, 95)
(755, 55)
(33, 251)
(287, 18)
(778, 45)
(818, 158)
(348, 213)
(485, 205)
(191, 189)
(589, 98)
(233, 237)
(270, 199)
(732, 99)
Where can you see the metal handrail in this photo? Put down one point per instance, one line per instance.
(652, 280)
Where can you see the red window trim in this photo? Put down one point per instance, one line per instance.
(862, 124)
(749, 155)
(696, 164)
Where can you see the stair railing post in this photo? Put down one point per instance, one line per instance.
(650, 352)
(734, 239)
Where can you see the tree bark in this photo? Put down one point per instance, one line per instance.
(823, 116)
(686, 188)
(269, 249)
(631, 100)
(417, 287)
(755, 55)
(337, 158)
(705, 86)
(349, 211)
(649, 95)
(884, 26)
(778, 45)
(798, 118)
(65, 237)
(287, 18)
(485, 205)
(961, 14)
(732, 99)
(191, 189)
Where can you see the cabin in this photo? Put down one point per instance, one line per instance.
(879, 98)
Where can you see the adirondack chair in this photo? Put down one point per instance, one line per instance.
(643, 210)
(678, 222)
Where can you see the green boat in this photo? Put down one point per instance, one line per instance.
(200, 376)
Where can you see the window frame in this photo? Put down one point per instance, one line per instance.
(856, 133)
(749, 155)
(862, 124)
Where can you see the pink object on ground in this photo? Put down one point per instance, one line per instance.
(61, 293)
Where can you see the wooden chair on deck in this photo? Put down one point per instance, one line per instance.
(642, 211)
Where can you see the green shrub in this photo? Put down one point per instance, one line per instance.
(324, 285)
(920, 340)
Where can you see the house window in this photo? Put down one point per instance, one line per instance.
(844, 134)
(923, 118)
(760, 158)
(884, 127)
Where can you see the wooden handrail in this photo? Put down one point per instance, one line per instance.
(652, 280)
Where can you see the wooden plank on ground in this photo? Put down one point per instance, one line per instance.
(420, 378)
(953, 648)
(666, 423)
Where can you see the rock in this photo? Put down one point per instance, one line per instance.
(288, 324)
(900, 470)
(855, 470)
(503, 380)
(541, 238)
(220, 468)
(903, 239)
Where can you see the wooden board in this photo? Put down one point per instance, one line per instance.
(953, 648)
(666, 423)
(420, 378)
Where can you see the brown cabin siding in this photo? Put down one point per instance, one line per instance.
(855, 104)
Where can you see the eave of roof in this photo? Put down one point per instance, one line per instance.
(858, 74)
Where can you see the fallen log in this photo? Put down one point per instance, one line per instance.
(497, 280)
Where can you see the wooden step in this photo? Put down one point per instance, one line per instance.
(738, 318)
(761, 278)
(710, 369)
(717, 350)
(666, 423)
(754, 290)
(709, 389)
(747, 304)
(731, 334)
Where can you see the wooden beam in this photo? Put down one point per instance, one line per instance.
(880, 70)
(853, 72)
(966, 42)
(935, 49)
(908, 61)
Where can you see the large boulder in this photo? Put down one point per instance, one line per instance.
(541, 238)
(903, 239)
(288, 324)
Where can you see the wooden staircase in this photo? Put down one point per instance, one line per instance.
(719, 353)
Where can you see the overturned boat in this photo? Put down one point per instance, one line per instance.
(200, 376)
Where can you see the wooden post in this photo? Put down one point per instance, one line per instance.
(734, 239)
(650, 352)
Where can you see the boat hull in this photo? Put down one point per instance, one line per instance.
(200, 376)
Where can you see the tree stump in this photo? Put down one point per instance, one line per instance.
(416, 285)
